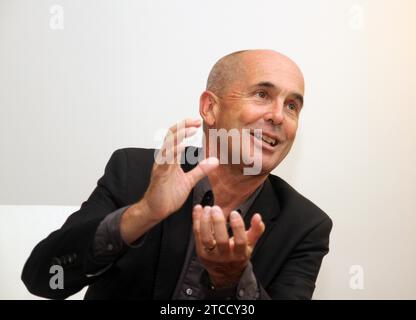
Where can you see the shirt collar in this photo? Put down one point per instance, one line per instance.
(204, 186)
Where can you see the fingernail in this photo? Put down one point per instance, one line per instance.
(234, 215)
(216, 210)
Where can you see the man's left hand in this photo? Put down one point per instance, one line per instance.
(224, 257)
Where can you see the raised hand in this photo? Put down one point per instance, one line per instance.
(169, 185)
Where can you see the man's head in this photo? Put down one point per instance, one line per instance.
(255, 89)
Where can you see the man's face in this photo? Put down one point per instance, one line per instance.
(268, 97)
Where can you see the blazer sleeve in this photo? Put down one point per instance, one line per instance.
(70, 245)
(296, 280)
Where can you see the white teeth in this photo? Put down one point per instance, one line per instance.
(269, 140)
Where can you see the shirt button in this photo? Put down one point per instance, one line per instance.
(241, 293)
(110, 247)
(189, 291)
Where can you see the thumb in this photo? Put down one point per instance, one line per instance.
(202, 169)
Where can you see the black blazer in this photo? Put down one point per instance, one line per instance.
(286, 260)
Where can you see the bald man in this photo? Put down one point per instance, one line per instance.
(205, 229)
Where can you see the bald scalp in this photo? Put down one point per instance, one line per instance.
(224, 72)
(233, 67)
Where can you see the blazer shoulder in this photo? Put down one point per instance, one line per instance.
(133, 168)
(141, 157)
(136, 152)
(298, 205)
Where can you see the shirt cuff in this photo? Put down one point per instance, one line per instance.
(107, 240)
(246, 289)
(108, 243)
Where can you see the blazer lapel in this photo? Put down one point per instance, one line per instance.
(267, 205)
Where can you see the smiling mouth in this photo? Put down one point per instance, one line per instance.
(270, 141)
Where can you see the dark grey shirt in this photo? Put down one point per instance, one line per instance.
(194, 281)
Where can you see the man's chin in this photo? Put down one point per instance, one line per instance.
(257, 166)
(267, 164)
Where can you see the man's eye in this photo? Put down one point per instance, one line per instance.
(292, 106)
(261, 94)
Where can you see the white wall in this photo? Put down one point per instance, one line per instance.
(120, 71)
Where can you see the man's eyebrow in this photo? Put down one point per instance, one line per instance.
(267, 84)
(299, 97)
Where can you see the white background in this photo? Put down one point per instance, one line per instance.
(121, 72)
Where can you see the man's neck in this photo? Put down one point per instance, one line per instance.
(230, 188)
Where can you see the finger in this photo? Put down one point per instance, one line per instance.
(179, 144)
(172, 139)
(256, 230)
(220, 230)
(196, 221)
(173, 147)
(202, 169)
(178, 152)
(186, 123)
(207, 238)
(165, 154)
(239, 233)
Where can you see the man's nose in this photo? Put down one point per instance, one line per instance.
(275, 114)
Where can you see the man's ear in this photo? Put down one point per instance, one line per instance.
(208, 107)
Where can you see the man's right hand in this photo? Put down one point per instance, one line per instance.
(169, 185)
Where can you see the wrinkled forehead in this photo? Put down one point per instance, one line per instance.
(271, 67)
